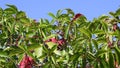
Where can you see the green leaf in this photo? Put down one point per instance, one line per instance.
(95, 44)
(51, 36)
(51, 44)
(105, 26)
(53, 59)
(52, 15)
(1, 12)
(74, 57)
(38, 51)
(24, 20)
(44, 25)
(20, 57)
(59, 13)
(101, 40)
(112, 14)
(67, 31)
(47, 22)
(3, 53)
(117, 54)
(118, 12)
(91, 56)
(52, 21)
(20, 14)
(57, 52)
(2, 59)
(53, 48)
(47, 65)
(9, 11)
(15, 51)
(70, 12)
(111, 60)
(85, 32)
(45, 50)
(43, 34)
(34, 46)
(30, 34)
(96, 65)
(104, 64)
(101, 52)
(13, 7)
(99, 32)
(102, 17)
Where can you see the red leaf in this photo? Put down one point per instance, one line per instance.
(77, 16)
(115, 27)
(27, 62)
(61, 41)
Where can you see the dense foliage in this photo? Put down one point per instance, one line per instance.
(69, 40)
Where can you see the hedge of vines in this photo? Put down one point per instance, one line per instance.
(68, 40)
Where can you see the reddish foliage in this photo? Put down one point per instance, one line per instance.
(115, 27)
(110, 44)
(61, 41)
(118, 43)
(27, 62)
(54, 40)
(77, 16)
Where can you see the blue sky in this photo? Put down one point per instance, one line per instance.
(37, 9)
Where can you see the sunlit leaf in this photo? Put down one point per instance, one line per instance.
(86, 32)
(52, 15)
(13, 7)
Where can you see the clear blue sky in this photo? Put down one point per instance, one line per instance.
(37, 9)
